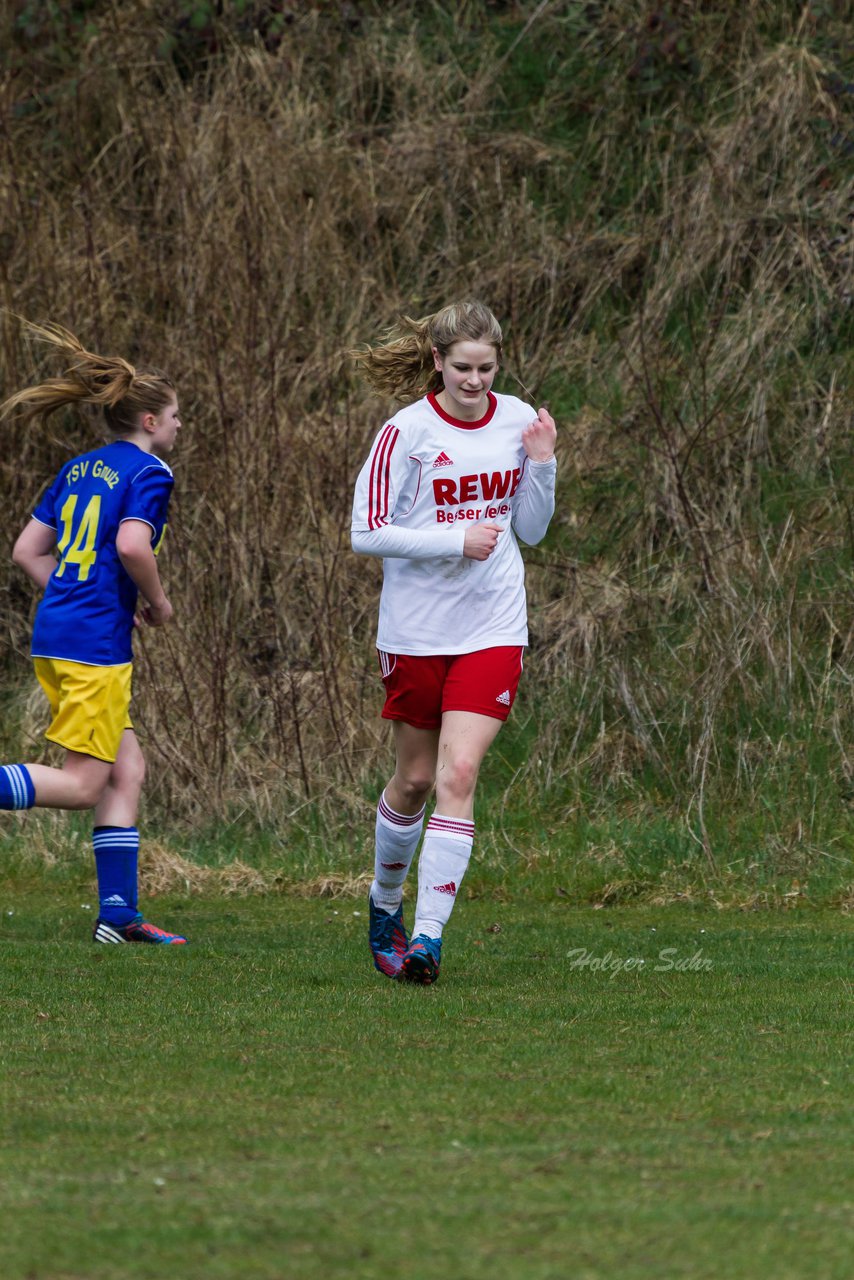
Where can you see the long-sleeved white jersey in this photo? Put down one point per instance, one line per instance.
(427, 478)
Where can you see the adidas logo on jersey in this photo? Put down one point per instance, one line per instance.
(443, 460)
(504, 698)
(450, 887)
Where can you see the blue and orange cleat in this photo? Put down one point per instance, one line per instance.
(387, 937)
(136, 930)
(422, 959)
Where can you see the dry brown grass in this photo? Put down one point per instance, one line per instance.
(243, 228)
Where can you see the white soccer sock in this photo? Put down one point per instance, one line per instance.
(441, 867)
(397, 839)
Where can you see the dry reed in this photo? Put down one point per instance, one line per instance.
(672, 276)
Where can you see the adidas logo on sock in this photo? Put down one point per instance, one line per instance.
(443, 460)
(504, 698)
(450, 887)
(115, 900)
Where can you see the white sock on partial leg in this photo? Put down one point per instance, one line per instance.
(441, 867)
(397, 836)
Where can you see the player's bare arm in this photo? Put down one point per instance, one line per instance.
(133, 543)
(34, 552)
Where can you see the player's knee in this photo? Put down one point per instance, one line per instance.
(459, 777)
(87, 792)
(128, 775)
(416, 787)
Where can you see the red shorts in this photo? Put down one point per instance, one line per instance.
(420, 690)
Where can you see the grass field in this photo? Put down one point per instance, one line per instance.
(264, 1104)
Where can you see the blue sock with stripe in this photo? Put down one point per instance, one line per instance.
(16, 787)
(116, 856)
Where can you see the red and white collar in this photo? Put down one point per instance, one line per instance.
(466, 425)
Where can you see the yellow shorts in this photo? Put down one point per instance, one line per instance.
(90, 705)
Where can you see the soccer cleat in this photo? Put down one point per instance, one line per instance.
(387, 936)
(421, 962)
(136, 930)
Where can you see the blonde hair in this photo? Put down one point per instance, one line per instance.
(121, 391)
(402, 364)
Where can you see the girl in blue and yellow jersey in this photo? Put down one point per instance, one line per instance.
(91, 546)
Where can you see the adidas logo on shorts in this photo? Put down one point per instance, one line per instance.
(504, 698)
(443, 460)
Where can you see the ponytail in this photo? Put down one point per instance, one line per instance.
(122, 391)
(402, 365)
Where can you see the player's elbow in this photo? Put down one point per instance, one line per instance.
(30, 547)
(360, 541)
(530, 537)
(533, 528)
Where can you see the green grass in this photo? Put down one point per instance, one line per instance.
(264, 1105)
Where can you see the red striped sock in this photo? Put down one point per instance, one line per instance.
(441, 867)
(397, 836)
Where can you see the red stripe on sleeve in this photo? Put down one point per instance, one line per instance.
(380, 477)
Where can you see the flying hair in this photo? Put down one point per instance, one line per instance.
(121, 391)
(401, 365)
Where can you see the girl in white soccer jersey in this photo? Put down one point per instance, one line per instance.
(90, 546)
(450, 483)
